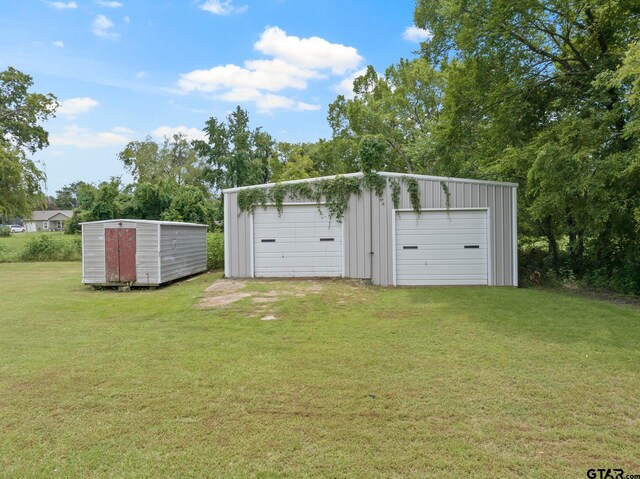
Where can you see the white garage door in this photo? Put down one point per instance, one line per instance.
(299, 242)
(441, 247)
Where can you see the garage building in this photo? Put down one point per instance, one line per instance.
(464, 234)
(141, 252)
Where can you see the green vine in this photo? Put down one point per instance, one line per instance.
(447, 194)
(414, 193)
(334, 193)
(248, 199)
(374, 182)
(395, 192)
(278, 193)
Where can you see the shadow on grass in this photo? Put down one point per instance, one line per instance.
(543, 315)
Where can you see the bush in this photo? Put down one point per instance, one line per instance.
(215, 251)
(45, 248)
(5, 231)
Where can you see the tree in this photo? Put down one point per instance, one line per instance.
(293, 162)
(20, 183)
(235, 155)
(542, 92)
(174, 159)
(67, 196)
(21, 179)
(399, 109)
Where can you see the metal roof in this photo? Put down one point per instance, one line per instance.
(382, 173)
(155, 222)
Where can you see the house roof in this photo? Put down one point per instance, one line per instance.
(381, 173)
(48, 214)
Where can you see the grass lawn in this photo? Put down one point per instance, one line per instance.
(348, 381)
(12, 247)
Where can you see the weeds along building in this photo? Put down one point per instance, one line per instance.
(141, 252)
(391, 228)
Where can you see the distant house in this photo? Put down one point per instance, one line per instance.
(52, 220)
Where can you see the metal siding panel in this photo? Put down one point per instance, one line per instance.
(359, 249)
(147, 253)
(183, 251)
(94, 256)
(234, 243)
(386, 270)
(366, 272)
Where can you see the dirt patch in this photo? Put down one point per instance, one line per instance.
(264, 300)
(222, 300)
(269, 317)
(225, 286)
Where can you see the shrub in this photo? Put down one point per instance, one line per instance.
(46, 248)
(215, 251)
(5, 231)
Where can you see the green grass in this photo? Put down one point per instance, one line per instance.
(11, 248)
(425, 382)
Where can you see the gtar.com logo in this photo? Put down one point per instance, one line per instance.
(605, 474)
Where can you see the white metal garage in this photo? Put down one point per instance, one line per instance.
(441, 247)
(466, 231)
(301, 242)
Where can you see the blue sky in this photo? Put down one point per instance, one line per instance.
(124, 69)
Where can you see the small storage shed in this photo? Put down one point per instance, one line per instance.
(465, 233)
(141, 252)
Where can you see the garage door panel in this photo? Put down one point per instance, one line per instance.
(295, 248)
(430, 248)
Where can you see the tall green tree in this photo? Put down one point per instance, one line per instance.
(21, 111)
(234, 154)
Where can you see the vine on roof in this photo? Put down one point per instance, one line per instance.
(333, 193)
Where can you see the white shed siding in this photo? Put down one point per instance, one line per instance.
(93, 253)
(147, 253)
(183, 251)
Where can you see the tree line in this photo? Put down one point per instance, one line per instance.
(545, 93)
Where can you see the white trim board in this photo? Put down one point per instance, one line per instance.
(381, 173)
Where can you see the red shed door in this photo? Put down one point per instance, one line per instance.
(120, 254)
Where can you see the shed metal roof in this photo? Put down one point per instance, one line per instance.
(131, 220)
(382, 173)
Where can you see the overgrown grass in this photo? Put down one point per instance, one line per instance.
(215, 251)
(49, 246)
(350, 381)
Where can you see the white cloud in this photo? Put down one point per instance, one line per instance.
(345, 87)
(72, 107)
(58, 43)
(64, 5)
(168, 131)
(265, 101)
(222, 7)
(103, 27)
(109, 4)
(127, 19)
(415, 34)
(272, 75)
(294, 62)
(313, 52)
(84, 138)
(141, 74)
